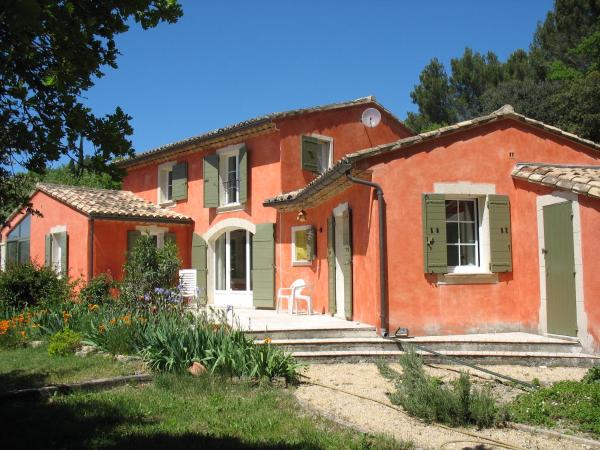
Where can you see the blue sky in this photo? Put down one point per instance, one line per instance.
(227, 61)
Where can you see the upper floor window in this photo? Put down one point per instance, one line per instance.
(317, 153)
(225, 178)
(172, 182)
(17, 243)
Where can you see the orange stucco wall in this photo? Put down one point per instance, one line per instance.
(483, 155)
(590, 227)
(110, 244)
(54, 213)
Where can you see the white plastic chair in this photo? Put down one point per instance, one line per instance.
(288, 295)
(303, 294)
(189, 288)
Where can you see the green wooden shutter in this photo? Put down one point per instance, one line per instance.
(12, 253)
(263, 265)
(48, 253)
(63, 243)
(243, 175)
(199, 263)
(347, 263)
(311, 148)
(331, 262)
(180, 181)
(500, 233)
(434, 233)
(132, 237)
(211, 181)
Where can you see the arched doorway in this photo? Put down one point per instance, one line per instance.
(229, 262)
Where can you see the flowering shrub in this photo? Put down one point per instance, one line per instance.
(147, 269)
(14, 332)
(98, 290)
(64, 343)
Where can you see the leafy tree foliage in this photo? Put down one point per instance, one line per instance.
(51, 52)
(556, 81)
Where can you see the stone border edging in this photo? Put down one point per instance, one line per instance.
(33, 394)
(556, 434)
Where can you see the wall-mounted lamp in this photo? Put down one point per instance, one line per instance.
(301, 217)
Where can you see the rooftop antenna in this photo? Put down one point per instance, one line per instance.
(370, 119)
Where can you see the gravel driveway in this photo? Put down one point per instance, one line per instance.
(364, 379)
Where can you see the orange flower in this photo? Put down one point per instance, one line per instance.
(23, 333)
(92, 307)
(66, 316)
(113, 321)
(267, 340)
(4, 326)
(101, 328)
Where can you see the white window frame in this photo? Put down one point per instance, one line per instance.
(224, 155)
(471, 267)
(464, 190)
(163, 181)
(159, 232)
(3, 256)
(56, 250)
(324, 140)
(297, 262)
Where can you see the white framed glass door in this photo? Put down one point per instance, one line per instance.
(233, 269)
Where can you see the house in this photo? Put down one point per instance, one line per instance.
(487, 225)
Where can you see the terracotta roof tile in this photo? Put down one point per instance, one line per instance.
(96, 202)
(324, 186)
(579, 179)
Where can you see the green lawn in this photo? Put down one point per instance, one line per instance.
(27, 367)
(173, 412)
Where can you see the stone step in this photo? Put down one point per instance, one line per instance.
(550, 359)
(376, 344)
(358, 332)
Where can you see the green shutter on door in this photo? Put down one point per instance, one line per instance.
(263, 265)
(243, 176)
(132, 237)
(180, 181)
(63, 243)
(211, 181)
(500, 233)
(48, 253)
(434, 233)
(199, 263)
(331, 262)
(310, 154)
(347, 263)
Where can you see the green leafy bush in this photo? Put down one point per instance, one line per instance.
(592, 375)
(173, 341)
(64, 343)
(149, 270)
(30, 284)
(98, 290)
(572, 404)
(458, 403)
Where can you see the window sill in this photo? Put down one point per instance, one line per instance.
(468, 278)
(230, 208)
(167, 204)
(301, 263)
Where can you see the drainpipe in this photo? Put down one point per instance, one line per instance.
(382, 250)
(91, 250)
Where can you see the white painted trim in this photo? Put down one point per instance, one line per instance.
(295, 262)
(582, 320)
(341, 209)
(160, 181)
(2, 255)
(210, 236)
(467, 190)
(154, 230)
(324, 138)
(58, 229)
(224, 153)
